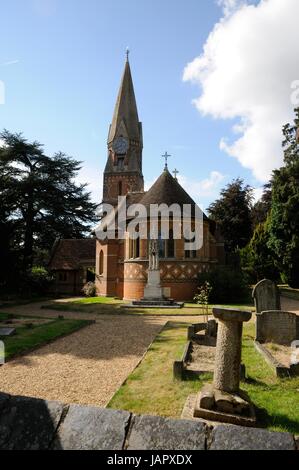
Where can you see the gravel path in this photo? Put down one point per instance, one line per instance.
(86, 367)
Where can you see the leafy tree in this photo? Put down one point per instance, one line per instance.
(284, 226)
(228, 285)
(262, 208)
(232, 213)
(9, 255)
(38, 280)
(257, 259)
(40, 200)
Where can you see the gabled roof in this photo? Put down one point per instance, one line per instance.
(125, 117)
(71, 254)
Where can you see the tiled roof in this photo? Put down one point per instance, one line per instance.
(70, 254)
(167, 190)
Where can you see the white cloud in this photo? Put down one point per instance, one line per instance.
(257, 194)
(202, 190)
(10, 62)
(229, 6)
(245, 72)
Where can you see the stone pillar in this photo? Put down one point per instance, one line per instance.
(223, 400)
(228, 349)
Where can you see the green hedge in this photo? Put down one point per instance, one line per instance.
(228, 285)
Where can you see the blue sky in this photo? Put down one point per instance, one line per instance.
(61, 62)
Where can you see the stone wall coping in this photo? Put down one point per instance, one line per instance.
(35, 424)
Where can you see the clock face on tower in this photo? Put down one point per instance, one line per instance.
(120, 145)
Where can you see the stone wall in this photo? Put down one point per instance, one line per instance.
(277, 327)
(32, 424)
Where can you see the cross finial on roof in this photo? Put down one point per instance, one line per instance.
(175, 172)
(166, 156)
(127, 54)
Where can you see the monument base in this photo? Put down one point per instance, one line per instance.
(226, 418)
(156, 303)
(231, 408)
(153, 289)
(153, 294)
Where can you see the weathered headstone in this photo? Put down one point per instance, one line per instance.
(266, 296)
(7, 331)
(275, 326)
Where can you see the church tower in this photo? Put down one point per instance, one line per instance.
(123, 171)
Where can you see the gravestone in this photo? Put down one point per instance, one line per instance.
(7, 331)
(266, 296)
(278, 327)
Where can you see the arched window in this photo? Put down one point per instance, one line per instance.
(166, 246)
(134, 248)
(189, 253)
(170, 245)
(162, 251)
(101, 263)
(120, 188)
(137, 248)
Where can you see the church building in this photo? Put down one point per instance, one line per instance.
(122, 263)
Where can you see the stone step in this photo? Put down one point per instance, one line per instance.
(159, 303)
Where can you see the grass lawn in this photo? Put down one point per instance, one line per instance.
(97, 300)
(27, 339)
(112, 306)
(151, 389)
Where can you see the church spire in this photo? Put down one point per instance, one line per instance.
(125, 117)
(123, 171)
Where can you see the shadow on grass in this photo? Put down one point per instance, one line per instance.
(119, 310)
(257, 383)
(277, 420)
(202, 377)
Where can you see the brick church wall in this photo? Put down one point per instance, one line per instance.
(106, 281)
(178, 277)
